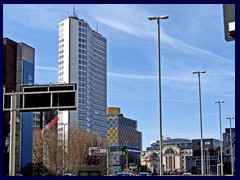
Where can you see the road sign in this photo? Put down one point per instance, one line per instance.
(97, 151)
(118, 149)
(46, 97)
(229, 21)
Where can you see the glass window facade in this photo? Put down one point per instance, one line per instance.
(89, 64)
(27, 117)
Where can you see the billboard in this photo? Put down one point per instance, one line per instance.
(97, 151)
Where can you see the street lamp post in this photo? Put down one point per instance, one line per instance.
(220, 123)
(160, 98)
(200, 105)
(231, 144)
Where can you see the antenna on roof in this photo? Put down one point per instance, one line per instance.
(74, 14)
(74, 11)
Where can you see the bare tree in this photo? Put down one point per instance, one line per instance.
(79, 142)
(46, 149)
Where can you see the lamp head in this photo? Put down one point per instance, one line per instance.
(195, 72)
(152, 18)
(222, 101)
(161, 17)
(164, 17)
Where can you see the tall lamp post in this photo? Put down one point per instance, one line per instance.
(220, 123)
(231, 144)
(160, 98)
(200, 105)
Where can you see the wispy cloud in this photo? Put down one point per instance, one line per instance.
(43, 16)
(44, 68)
(127, 18)
(132, 76)
(192, 50)
(132, 20)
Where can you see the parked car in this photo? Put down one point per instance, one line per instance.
(69, 174)
(144, 174)
(187, 174)
(18, 174)
(123, 174)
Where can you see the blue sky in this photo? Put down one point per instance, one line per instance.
(191, 39)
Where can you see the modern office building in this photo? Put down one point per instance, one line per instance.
(18, 70)
(211, 156)
(123, 131)
(228, 157)
(82, 59)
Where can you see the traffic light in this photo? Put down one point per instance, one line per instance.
(125, 150)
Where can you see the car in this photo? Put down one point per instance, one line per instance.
(144, 174)
(18, 174)
(187, 174)
(69, 174)
(123, 174)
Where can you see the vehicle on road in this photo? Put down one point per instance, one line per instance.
(18, 174)
(187, 174)
(69, 174)
(123, 174)
(144, 174)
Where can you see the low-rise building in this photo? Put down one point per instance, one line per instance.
(211, 154)
(175, 153)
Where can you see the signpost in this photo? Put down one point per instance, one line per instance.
(99, 151)
(37, 98)
(119, 149)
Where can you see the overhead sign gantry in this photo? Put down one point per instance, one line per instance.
(36, 98)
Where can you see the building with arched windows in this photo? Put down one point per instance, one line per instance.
(175, 153)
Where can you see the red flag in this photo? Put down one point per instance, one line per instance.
(51, 123)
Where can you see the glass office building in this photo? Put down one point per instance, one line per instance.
(18, 70)
(82, 59)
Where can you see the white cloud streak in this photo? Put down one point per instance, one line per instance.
(44, 68)
(132, 20)
(132, 76)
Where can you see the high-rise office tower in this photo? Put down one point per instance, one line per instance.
(18, 70)
(82, 58)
